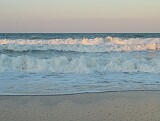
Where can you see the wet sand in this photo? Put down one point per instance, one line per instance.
(109, 106)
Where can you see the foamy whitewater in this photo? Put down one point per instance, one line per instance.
(77, 63)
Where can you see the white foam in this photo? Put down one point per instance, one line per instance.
(81, 64)
(107, 44)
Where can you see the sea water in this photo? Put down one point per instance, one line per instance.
(49, 63)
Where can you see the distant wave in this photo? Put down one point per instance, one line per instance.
(108, 44)
(80, 64)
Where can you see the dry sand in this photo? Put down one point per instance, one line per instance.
(109, 106)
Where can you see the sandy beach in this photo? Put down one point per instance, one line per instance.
(108, 106)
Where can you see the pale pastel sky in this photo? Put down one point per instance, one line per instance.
(79, 15)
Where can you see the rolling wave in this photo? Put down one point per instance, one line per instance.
(108, 44)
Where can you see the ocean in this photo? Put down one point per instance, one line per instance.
(70, 63)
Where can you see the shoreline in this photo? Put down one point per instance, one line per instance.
(106, 106)
(80, 93)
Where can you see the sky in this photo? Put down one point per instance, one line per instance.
(65, 16)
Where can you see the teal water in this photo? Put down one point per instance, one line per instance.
(69, 63)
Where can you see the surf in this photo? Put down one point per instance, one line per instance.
(108, 44)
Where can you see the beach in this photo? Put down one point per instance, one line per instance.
(107, 106)
(79, 60)
(79, 76)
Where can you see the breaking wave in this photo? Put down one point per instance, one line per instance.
(81, 64)
(107, 44)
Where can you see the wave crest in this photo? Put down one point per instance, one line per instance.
(107, 44)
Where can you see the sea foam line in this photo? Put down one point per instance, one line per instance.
(107, 44)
